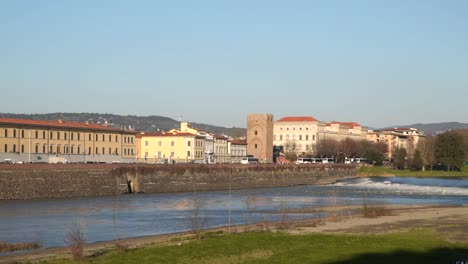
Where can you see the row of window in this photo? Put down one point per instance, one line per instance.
(306, 128)
(58, 135)
(128, 152)
(61, 150)
(293, 137)
(189, 143)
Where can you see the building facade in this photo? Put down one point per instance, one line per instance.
(407, 138)
(23, 140)
(170, 147)
(260, 137)
(297, 134)
(301, 134)
(237, 150)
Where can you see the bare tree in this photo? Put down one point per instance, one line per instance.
(427, 149)
(290, 146)
(327, 148)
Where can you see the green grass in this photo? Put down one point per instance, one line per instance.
(420, 246)
(382, 171)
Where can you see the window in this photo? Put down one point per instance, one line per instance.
(172, 154)
(300, 137)
(146, 143)
(97, 137)
(116, 151)
(313, 137)
(159, 154)
(58, 135)
(172, 143)
(103, 138)
(116, 138)
(79, 149)
(72, 149)
(132, 141)
(287, 137)
(110, 138)
(255, 145)
(44, 148)
(256, 132)
(132, 151)
(22, 133)
(89, 137)
(6, 147)
(110, 151)
(22, 148)
(307, 137)
(146, 154)
(281, 137)
(43, 134)
(58, 148)
(125, 151)
(37, 149)
(14, 147)
(97, 151)
(6, 132)
(307, 128)
(14, 133)
(188, 144)
(65, 149)
(307, 147)
(188, 153)
(89, 151)
(65, 135)
(78, 136)
(274, 137)
(103, 150)
(71, 136)
(159, 143)
(37, 134)
(51, 135)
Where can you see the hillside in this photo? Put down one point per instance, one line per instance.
(139, 123)
(436, 128)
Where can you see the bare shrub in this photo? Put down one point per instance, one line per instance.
(197, 221)
(284, 222)
(373, 211)
(249, 210)
(76, 241)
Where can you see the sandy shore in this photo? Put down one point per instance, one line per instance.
(451, 221)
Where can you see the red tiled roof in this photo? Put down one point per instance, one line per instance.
(350, 124)
(59, 124)
(167, 134)
(297, 119)
(239, 142)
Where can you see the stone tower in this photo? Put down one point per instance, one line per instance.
(260, 137)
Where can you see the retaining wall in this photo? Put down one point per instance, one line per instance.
(33, 181)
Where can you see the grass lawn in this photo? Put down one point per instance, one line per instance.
(420, 246)
(382, 171)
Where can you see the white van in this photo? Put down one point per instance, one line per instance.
(249, 160)
(305, 160)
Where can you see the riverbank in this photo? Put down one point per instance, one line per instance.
(383, 171)
(349, 235)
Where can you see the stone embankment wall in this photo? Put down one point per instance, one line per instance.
(33, 181)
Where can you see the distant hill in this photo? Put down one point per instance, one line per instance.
(139, 123)
(436, 128)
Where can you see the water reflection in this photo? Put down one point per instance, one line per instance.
(48, 221)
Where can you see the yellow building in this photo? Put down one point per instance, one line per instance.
(407, 138)
(23, 140)
(171, 147)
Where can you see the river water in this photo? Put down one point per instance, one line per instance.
(104, 218)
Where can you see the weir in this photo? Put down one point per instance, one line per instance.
(35, 181)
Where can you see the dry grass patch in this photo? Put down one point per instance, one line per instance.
(11, 247)
(373, 211)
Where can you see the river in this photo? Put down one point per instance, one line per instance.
(104, 218)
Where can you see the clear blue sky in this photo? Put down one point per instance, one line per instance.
(374, 62)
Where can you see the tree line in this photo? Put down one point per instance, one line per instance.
(447, 151)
